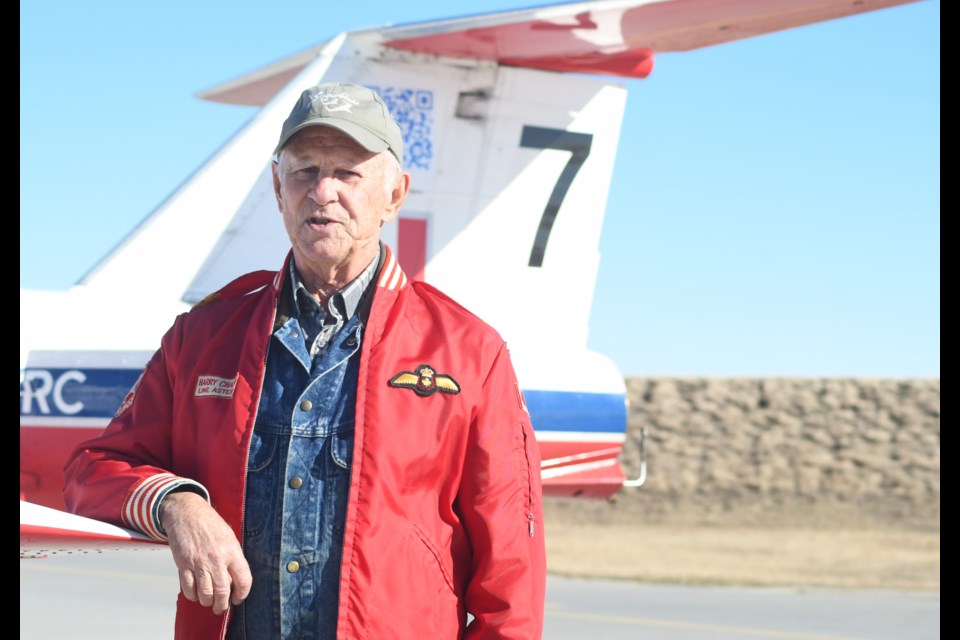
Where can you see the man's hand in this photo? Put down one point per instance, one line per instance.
(208, 556)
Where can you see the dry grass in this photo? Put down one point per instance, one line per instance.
(739, 555)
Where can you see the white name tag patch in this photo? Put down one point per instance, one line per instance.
(214, 386)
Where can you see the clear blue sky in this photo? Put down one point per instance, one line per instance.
(775, 207)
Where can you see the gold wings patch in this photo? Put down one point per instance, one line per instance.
(425, 381)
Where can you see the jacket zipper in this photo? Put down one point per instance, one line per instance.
(246, 459)
(529, 505)
(353, 454)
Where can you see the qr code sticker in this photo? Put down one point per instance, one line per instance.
(413, 111)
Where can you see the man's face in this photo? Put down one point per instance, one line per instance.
(334, 196)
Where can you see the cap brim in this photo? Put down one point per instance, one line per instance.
(366, 139)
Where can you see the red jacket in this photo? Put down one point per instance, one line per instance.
(444, 516)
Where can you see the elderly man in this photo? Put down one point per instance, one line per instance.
(331, 450)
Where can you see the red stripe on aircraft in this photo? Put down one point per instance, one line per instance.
(412, 246)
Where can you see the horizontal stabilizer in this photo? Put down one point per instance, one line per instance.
(612, 37)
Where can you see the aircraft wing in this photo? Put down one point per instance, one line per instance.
(610, 37)
(45, 532)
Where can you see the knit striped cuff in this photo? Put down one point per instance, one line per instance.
(141, 509)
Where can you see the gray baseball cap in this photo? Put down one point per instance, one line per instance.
(355, 110)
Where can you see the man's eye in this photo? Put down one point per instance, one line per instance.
(305, 173)
(346, 174)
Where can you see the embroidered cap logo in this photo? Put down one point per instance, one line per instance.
(335, 101)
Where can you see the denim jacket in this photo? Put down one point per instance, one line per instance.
(299, 468)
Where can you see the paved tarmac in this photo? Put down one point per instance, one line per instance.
(131, 595)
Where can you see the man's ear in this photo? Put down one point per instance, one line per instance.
(397, 196)
(275, 168)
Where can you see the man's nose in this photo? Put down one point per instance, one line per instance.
(325, 190)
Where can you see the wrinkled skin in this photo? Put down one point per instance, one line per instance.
(335, 196)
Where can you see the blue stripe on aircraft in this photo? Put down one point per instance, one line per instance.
(96, 393)
(76, 392)
(574, 411)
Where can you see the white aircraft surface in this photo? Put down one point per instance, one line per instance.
(510, 120)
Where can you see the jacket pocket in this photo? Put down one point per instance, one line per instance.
(341, 445)
(264, 486)
(413, 576)
(434, 553)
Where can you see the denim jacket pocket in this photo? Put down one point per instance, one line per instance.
(341, 445)
(263, 485)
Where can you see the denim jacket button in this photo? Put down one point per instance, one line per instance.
(296, 482)
(293, 566)
(306, 405)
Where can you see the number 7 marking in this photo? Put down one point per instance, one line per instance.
(578, 144)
